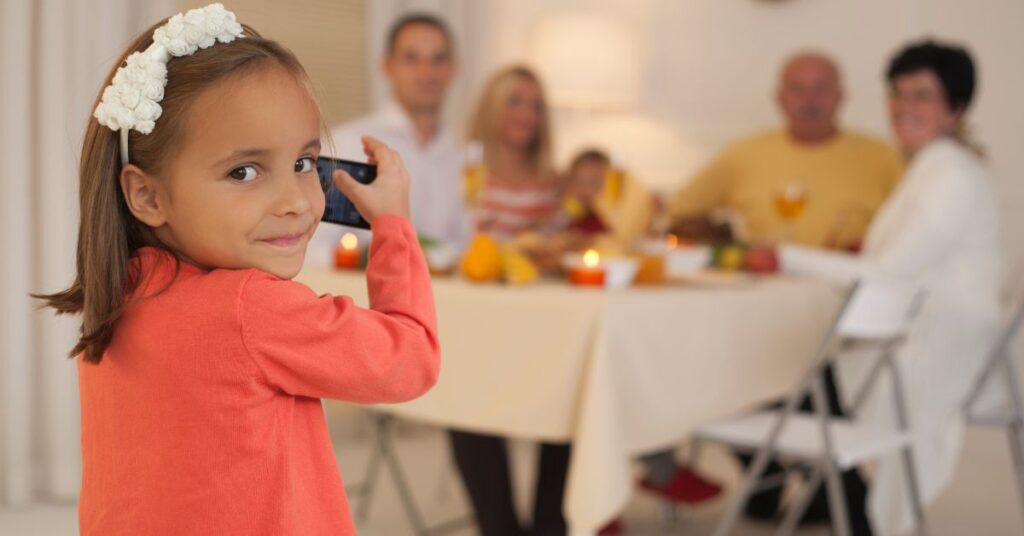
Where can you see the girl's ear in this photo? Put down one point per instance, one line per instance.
(140, 193)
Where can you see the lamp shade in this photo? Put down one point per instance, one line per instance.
(587, 61)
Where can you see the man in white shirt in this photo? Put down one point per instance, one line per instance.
(419, 66)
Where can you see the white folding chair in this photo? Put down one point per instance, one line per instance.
(1001, 365)
(876, 314)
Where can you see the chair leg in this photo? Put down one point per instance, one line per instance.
(833, 483)
(764, 454)
(910, 471)
(1015, 432)
(369, 483)
(751, 478)
(401, 484)
(836, 499)
(796, 511)
(761, 459)
(907, 453)
(669, 514)
(384, 452)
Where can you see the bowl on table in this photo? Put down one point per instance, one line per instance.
(441, 257)
(688, 260)
(619, 272)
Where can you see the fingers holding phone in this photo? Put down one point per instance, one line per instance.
(388, 193)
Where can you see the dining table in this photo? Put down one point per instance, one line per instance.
(618, 373)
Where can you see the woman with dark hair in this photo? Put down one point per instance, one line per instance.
(939, 228)
(930, 88)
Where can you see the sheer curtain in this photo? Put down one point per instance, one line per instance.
(53, 56)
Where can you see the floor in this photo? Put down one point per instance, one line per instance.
(982, 501)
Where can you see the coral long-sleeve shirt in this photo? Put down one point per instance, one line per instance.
(204, 415)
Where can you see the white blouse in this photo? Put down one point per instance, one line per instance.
(939, 228)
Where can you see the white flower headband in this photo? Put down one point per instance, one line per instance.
(131, 101)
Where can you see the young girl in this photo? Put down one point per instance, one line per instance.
(201, 364)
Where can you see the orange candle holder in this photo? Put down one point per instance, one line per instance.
(593, 277)
(347, 255)
(590, 274)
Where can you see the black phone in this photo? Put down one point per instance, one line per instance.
(338, 208)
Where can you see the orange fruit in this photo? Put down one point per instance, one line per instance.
(482, 261)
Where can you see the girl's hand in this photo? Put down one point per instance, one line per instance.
(388, 193)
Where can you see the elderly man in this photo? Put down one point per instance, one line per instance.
(810, 182)
(419, 65)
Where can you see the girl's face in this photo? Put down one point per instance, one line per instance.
(522, 115)
(918, 109)
(243, 191)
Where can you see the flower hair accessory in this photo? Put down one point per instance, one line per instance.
(132, 100)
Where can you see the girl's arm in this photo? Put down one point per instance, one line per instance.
(327, 347)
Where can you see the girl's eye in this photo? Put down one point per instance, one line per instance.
(305, 164)
(243, 173)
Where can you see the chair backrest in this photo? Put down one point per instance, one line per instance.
(880, 308)
(1001, 354)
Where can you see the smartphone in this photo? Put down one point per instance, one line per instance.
(338, 208)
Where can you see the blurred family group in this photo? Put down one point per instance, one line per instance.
(819, 199)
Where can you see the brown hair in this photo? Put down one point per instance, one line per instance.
(108, 232)
(590, 156)
(483, 126)
(412, 19)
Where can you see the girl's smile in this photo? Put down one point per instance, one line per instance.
(287, 242)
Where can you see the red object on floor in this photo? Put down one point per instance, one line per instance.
(613, 528)
(686, 487)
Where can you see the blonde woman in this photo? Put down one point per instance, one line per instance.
(519, 192)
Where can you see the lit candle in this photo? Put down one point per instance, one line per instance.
(591, 273)
(347, 255)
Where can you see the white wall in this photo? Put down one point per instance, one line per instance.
(54, 56)
(710, 68)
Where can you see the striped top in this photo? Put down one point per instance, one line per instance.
(507, 208)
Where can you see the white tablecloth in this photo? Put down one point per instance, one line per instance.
(618, 373)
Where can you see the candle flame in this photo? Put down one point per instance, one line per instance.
(349, 241)
(591, 258)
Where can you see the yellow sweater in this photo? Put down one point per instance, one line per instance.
(844, 181)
